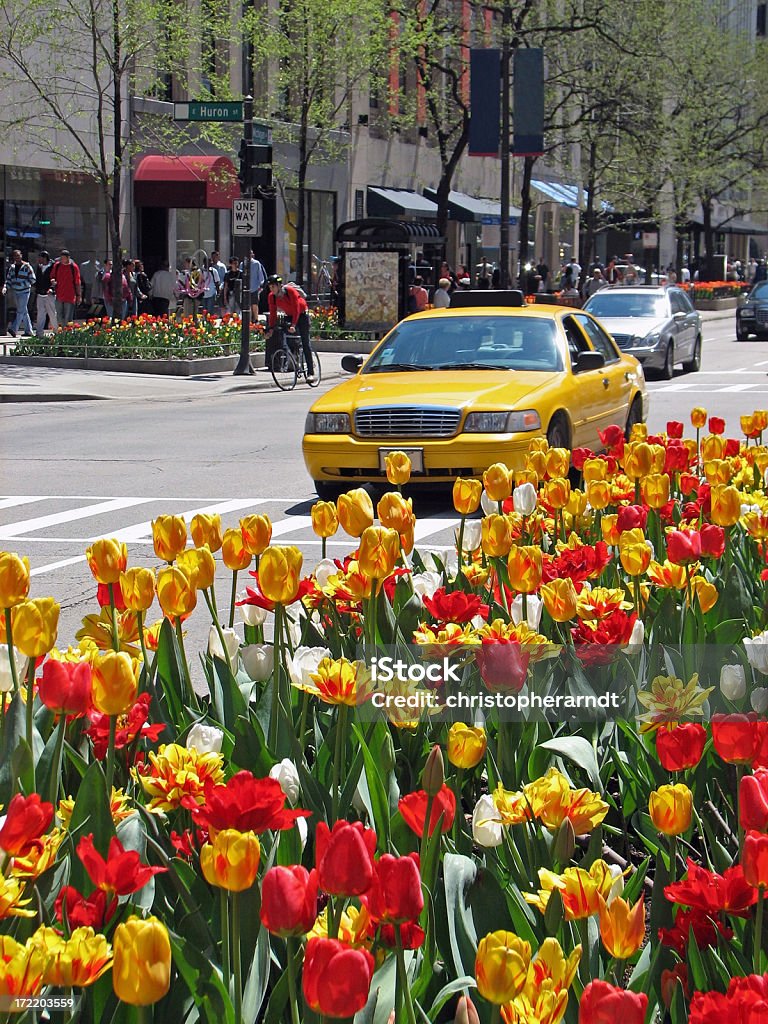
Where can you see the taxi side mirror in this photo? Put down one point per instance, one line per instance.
(589, 361)
(351, 363)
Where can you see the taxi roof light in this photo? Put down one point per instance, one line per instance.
(481, 297)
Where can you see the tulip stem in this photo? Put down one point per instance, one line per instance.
(111, 754)
(402, 975)
(237, 963)
(11, 652)
(187, 678)
(232, 599)
(277, 678)
(495, 1013)
(145, 659)
(209, 600)
(31, 708)
(757, 952)
(113, 613)
(338, 755)
(143, 1014)
(460, 543)
(226, 960)
(457, 784)
(294, 998)
(53, 788)
(323, 545)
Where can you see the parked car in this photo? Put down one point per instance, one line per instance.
(752, 317)
(461, 388)
(658, 326)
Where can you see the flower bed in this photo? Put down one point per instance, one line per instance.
(717, 289)
(145, 337)
(522, 779)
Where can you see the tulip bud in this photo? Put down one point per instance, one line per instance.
(556, 492)
(14, 579)
(466, 1012)
(231, 642)
(487, 824)
(206, 529)
(599, 494)
(398, 468)
(560, 599)
(169, 535)
(726, 505)
(107, 558)
(141, 972)
(258, 661)
(205, 739)
(698, 417)
(565, 842)
(287, 775)
(733, 683)
(257, 533)
(433, 776)
(466, 495)
(395, 511)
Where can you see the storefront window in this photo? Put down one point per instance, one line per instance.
(319, 230)
(195, 235)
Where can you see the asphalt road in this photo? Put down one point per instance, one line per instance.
(74, 471)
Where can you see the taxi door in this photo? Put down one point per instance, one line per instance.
(615, 381)
(587, 400)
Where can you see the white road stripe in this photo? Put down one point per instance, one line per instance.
(433, 524)
(739, 387)
(20, 500)
(69, 516)
(139, 532)
(56, 565)
(291, 524)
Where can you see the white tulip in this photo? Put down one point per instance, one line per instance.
(618, 885)
(535, 605)
(324, 570)
(205, 739)
(759, 700)
(487, 827)
(6, 677)
(757, 651)
(304, 663)
(426, 583)
(258, 661)
(524, 499)
(487, 504)
(637, 635)
(231, 641)
(733, 683)
(294, 627)
(301, 825)
(473, 535)
(447, 557)
(287, 775)
(252, 614)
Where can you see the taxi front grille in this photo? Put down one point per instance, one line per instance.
(407, 421)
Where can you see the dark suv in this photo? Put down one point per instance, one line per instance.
(752, 317)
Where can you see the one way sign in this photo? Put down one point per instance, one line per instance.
(246, 217)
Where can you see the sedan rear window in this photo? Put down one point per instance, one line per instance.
(624, 304)
(469, 343)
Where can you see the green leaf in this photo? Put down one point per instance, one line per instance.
(203, 981)
(459, 874)
(91, 814)
(14, 731)
(170, 673)
(445, 993)
(258, 978)
(377, 800)
(581, 752)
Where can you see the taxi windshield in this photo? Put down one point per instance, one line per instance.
(469, 343)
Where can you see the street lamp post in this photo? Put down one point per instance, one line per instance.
(244, 365)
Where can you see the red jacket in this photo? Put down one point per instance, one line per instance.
(290, 302)
(67, 281)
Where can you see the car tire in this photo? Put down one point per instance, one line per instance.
(558, 432)
(635, 415)
(327, 491)
(693, 365)
(668, 370)
(741, 335)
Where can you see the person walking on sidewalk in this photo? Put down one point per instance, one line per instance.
(162, 288)
(287, 300)
(66, 283)
(19, 280)
(45, 301)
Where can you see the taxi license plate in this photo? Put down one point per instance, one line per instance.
(416, 455)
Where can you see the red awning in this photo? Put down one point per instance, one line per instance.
(197, 182)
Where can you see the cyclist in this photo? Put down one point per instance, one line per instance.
(287, 299)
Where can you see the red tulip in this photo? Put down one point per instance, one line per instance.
(81, 912)
(712, 540)
(344, 857)
(336, 978)
(414, 810)
(612, 438)
(716, 425)
(631, 517)
(711, 893)
(732, 448)
(395, 894)
(602, 1003)
(677, 459)
(683, 546)
(735, 737)
(246, 804)
(121, 873)
(675, 429)
(753, 801)
(503, 664)
(681, 747)
(454, 607)
(26, 819)
(754, 859)
(411, 935)
(65, 687)
(289, 900)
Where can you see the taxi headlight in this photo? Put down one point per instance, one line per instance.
(327, 423)
(502, 422)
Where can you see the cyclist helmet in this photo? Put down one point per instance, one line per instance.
(274, 279)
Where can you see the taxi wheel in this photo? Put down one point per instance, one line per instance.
(327, 491)
(558, 434)
(635, 416)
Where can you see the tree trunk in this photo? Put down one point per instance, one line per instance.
(301, 191)
(113, 188)
(525, 214)
(709, 234)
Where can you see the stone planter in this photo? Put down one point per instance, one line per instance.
(169, 367)
(729, 303)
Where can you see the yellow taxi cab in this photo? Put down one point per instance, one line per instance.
(461, 388)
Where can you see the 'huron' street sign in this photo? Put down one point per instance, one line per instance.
(209, 111)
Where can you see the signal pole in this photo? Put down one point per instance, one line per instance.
(244, 363)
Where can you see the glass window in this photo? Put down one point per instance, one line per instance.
(319, 230)
(195, 234)
(600, 340)
(619, 303)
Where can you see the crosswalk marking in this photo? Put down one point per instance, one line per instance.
(69, 516)
(22, 500)
(142, 530)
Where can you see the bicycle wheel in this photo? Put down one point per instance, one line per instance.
(314, 381)
(284, 371)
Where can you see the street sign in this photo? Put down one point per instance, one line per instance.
(210, 111)
(262, 134)
(246, 217)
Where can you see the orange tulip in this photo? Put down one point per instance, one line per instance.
(169, 535)
(231, 860)
(525, 567)
(257, 533)
(175, 592)
(556, 492)
(206, 529)
(726, 505)
(558, 462)
(712, 447)
(14, 579)
(398, 468)
(466, 495)
(622, 927)
(234, 553)
(698, 417)
(355, 510)
(497, 481)
(395, 512)
(137, 586)
(106, 559)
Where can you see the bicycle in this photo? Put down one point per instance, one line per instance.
(287, 363)
(323, 279)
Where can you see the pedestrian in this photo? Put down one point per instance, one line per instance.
(595, 283)
(132, 303)
(44, 300)
(219, 266)
(210, 289)
(442, 297)
(256, 282)
(117, 295)
(143, 287)
(287, 300)
(446, 272)
(761, 272)
(418, 298)
(19, 279)
(192, 289)
(484, 274)
(162, 289)
(612, 274)
(67, 286)
(543, 271)
(232, 294)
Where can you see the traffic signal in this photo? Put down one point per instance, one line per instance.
(250, 175)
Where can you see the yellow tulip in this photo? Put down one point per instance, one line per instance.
(577, 503)
(206, 529)
(138, 589)
(706, 592)
(536, 462)
(398, 468)
(325, 519)
(712, 447)
(234, 554)
(526, 476)
(231, 860)
(114, 681)
(698, 417)
(141, 971)
(638, 459)
(76, 961)
(257, 533)
(355, 510)
(107, 558)
(610, 530)
(599, 494)
(622, 927)
(175, 592)
(501, 966)
(466, 745)
(634, 552)
(497, 481)
(670, 808)
(525, 567)
(726, 505)
(556, 492)
(655, 490)
(718, 471)
(594, 470)
(199, 566)
(560, 599)
(280, 574)
(466, 495)
(35, 624)
(378, 552)
(14, 579)
(538, 444)
(496, 533)
(558, 461)
(169, 535)
(395, 512)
